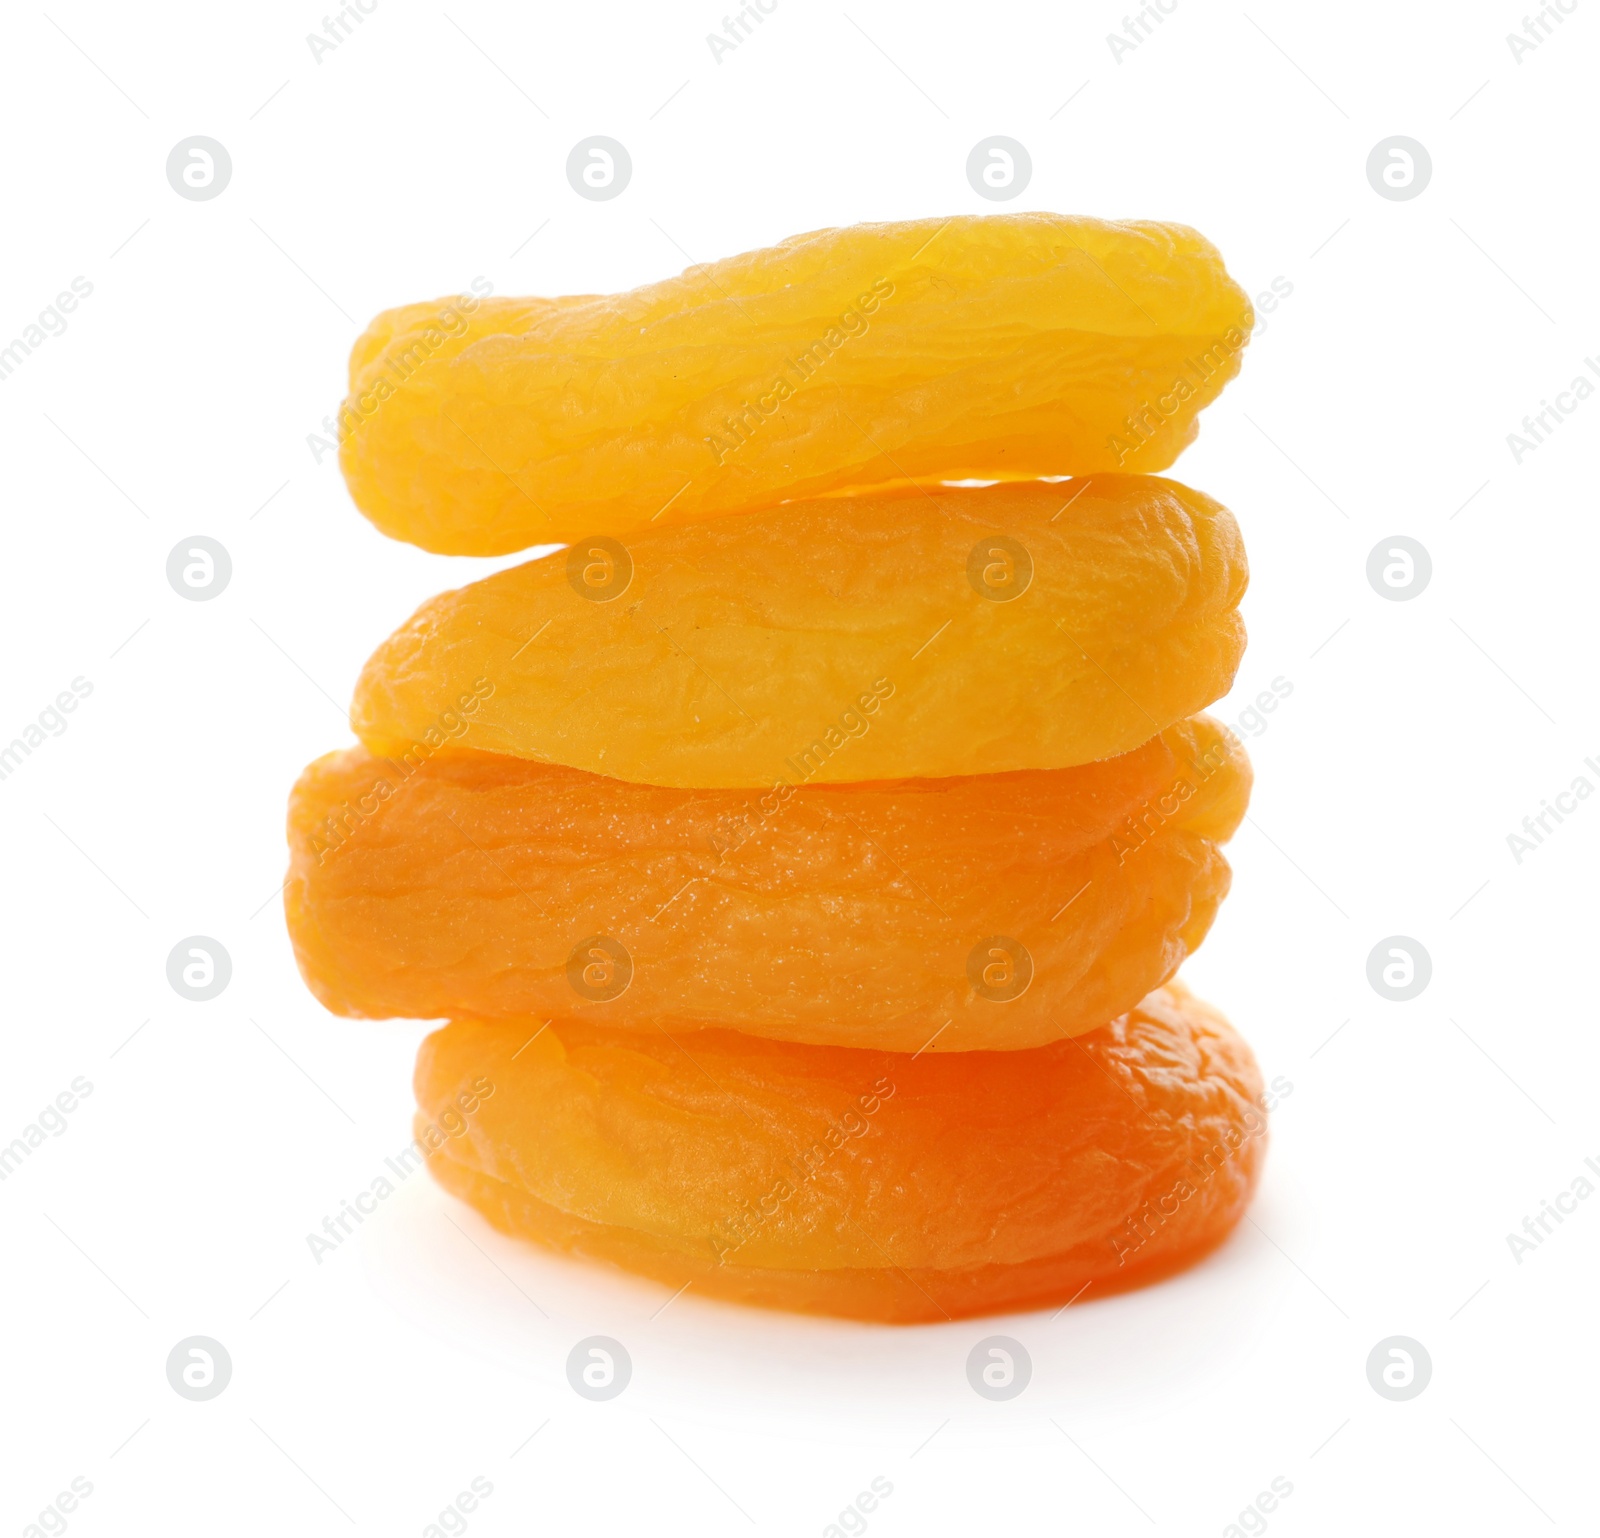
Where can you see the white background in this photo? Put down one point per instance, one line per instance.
(427, 149)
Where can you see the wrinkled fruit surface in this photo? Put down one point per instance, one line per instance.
(995, 911)
(867, 1184)
(952, 632)
(1010, 346)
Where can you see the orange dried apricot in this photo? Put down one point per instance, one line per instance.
(988, 911)
(967, 631)
(872, 1185)
(1002, 347)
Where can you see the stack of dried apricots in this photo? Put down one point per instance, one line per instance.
(802, 857)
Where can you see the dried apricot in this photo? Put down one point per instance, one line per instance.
(1019, 626)
(873, 1185)
(1011, 346)
(986, 911)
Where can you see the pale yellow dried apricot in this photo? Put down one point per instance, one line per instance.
(1009, 346)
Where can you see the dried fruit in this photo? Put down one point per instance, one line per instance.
(990, 911)
(868, 1184)
(1022, 626)
(1010, 347)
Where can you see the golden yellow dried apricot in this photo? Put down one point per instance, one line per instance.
(973, 630)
